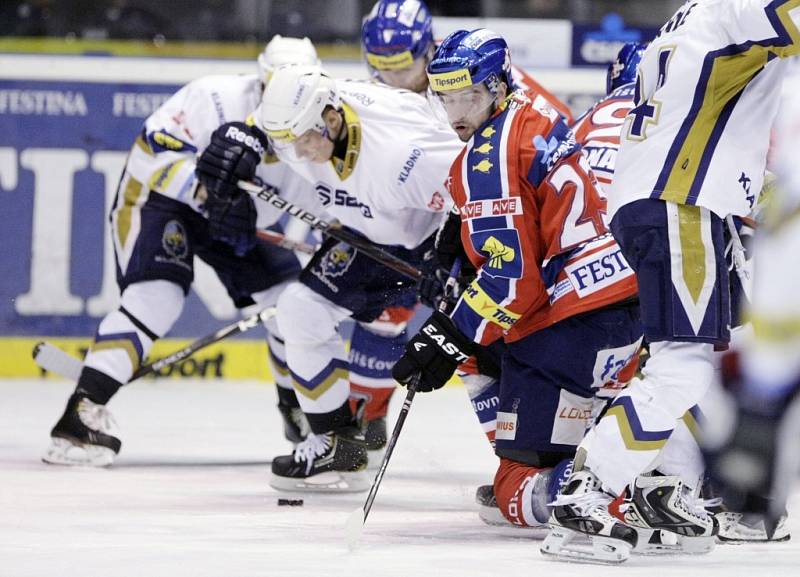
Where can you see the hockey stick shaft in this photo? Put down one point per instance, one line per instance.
(357, 519)
(365, 246)
(282, 241)
(398, 426)
(51, 362)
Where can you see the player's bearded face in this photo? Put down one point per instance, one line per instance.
(467, 108)
(411, 78)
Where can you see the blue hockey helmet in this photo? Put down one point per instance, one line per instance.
(470, 57)
(396, 32)
(622, 70)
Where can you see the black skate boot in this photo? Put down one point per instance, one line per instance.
(295, 424)
(82, 435)
(334, 462)
(664, 503)
(583, 529)
(375, 437)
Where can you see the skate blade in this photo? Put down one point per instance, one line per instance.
(493, 517)
(668, 543)
(327, 482)
(374, 459)
(568, 545)
(734, 533)
(64, 452)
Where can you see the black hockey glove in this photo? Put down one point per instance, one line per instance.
(234, 153)
(232, 221)
(433, 353)
(448, 243)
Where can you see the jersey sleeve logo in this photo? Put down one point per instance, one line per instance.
(501, 248)
(162, 141)
(498, 252)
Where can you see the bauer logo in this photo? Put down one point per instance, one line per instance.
(506, 426)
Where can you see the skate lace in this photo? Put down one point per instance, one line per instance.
(584, 503)
(311, 448)
(96, 417)
(696, 506)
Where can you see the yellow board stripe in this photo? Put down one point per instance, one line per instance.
(693, 251)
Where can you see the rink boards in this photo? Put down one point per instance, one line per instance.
(66, 124)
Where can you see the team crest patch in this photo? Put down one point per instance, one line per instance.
(337, 261)
(174, 240)
(501, 248)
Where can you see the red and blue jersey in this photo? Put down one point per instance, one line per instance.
(598, 132)
(532, 225)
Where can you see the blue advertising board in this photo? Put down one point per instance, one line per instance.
(62, 149)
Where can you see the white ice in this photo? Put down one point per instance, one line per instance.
(188, 496)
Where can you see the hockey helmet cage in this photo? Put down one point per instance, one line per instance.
(294, 100)
(395, 33)
(470, 57)
(284, 50)
(622, 70)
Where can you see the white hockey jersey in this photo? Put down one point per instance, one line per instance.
(163, 156)
(390, 185)
(705, 100)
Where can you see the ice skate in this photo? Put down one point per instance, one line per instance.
(82, 436)
(295, 424)
(375, 437)
(664, 505)
(582, 528)
(334, 462)
(748, 528)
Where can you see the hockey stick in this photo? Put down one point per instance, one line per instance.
(51, 358)
(356, 520)
(354, 525)
(334, 230)
(282, 241)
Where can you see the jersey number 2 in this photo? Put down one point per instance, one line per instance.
(580, 223)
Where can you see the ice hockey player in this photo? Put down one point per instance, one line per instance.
(397, 40)
(550, 278)
(163, 216)
(757, 455)
(336, 134)
(708, 82)
(598, 129)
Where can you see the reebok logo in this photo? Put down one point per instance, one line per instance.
(248, 140)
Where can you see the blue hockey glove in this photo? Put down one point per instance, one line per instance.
(434, 353)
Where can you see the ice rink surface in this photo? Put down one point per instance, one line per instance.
(189, 496)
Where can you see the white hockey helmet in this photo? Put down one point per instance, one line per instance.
(294, 100)
(283, 50)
